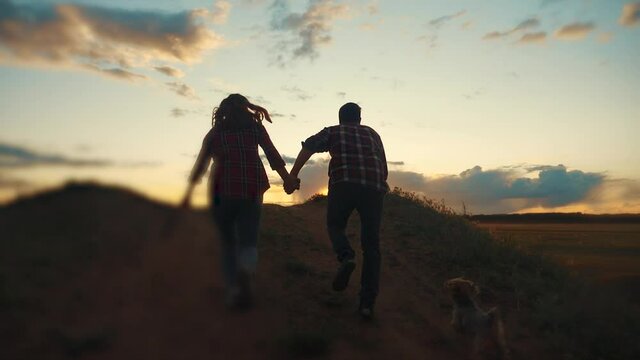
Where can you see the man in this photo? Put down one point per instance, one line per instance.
(357, 180)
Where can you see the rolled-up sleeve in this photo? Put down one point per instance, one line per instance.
(318, 142)
(272, 154)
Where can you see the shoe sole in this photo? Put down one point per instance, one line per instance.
(244, 300)
(366, 315)
(342, 277)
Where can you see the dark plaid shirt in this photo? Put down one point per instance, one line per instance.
(357, 155)
(237, 168)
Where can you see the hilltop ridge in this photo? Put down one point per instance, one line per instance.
(93, 271)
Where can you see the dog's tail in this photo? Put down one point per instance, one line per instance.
(496, 318)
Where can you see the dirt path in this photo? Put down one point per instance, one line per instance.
(406, 325)
(165, 301)
(166, 304)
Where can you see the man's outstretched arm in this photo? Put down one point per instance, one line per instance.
(302, 158)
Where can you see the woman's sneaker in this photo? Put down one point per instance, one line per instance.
(341, 280)
(365, 309)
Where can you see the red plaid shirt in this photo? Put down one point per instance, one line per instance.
(357, 155)
(237, 168)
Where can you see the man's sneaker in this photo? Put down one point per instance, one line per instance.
(341, 280)
(244, 298)
(230, 297)
(366, 313)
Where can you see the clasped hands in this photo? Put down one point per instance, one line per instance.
(291, 184)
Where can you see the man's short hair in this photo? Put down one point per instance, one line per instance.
(349, 113)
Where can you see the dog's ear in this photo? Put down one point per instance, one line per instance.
(447, 284)
(466, 286)
(476, 290)
(451, 283)
(492, 313)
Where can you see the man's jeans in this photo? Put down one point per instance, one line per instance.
(238, 222)
(342, 200)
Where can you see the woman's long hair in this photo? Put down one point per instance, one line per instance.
(235, 112)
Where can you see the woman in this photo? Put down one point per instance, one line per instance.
(237, 183)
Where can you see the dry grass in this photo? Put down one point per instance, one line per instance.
(601, 252)
(96, 276)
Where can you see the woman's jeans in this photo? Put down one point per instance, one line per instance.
(238, 222)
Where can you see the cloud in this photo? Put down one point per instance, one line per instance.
(12, 183)
(474, 94)
(253, 2)
(170, 71)
(605, 37)
(289, 159)
(178, 112)
(367, 27)
(505, 189)
(15, 156)
(435, 24)
(575, 31)
(182, 89)
(308, 30)
(12, 156)
(372, 8)
(116, 73)
(630, 14)
(297, 93)
(224, 87)
(524, 25)
(438, 22)
(313, 179)
(533, 38)
(220, 13)
(258, 100)
(549, 2)
(106, 40)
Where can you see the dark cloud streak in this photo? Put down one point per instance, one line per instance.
(182, 89)
(630, 15)
(12, 156)
(106, 40)
(524, 25)
(574, 31)
(170, 71)
(15, 157)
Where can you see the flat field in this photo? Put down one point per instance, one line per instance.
(608, 253)
(599, 251)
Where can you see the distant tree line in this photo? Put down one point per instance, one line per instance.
(561, 218)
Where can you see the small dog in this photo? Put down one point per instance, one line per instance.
(486, 327)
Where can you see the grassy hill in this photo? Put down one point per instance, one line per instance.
(96, 272)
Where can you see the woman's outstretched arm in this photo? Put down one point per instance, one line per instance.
(199, 168)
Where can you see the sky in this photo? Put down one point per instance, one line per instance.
(495, 106)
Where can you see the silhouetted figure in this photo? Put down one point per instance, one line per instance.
(237, 183)
(357, 180)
